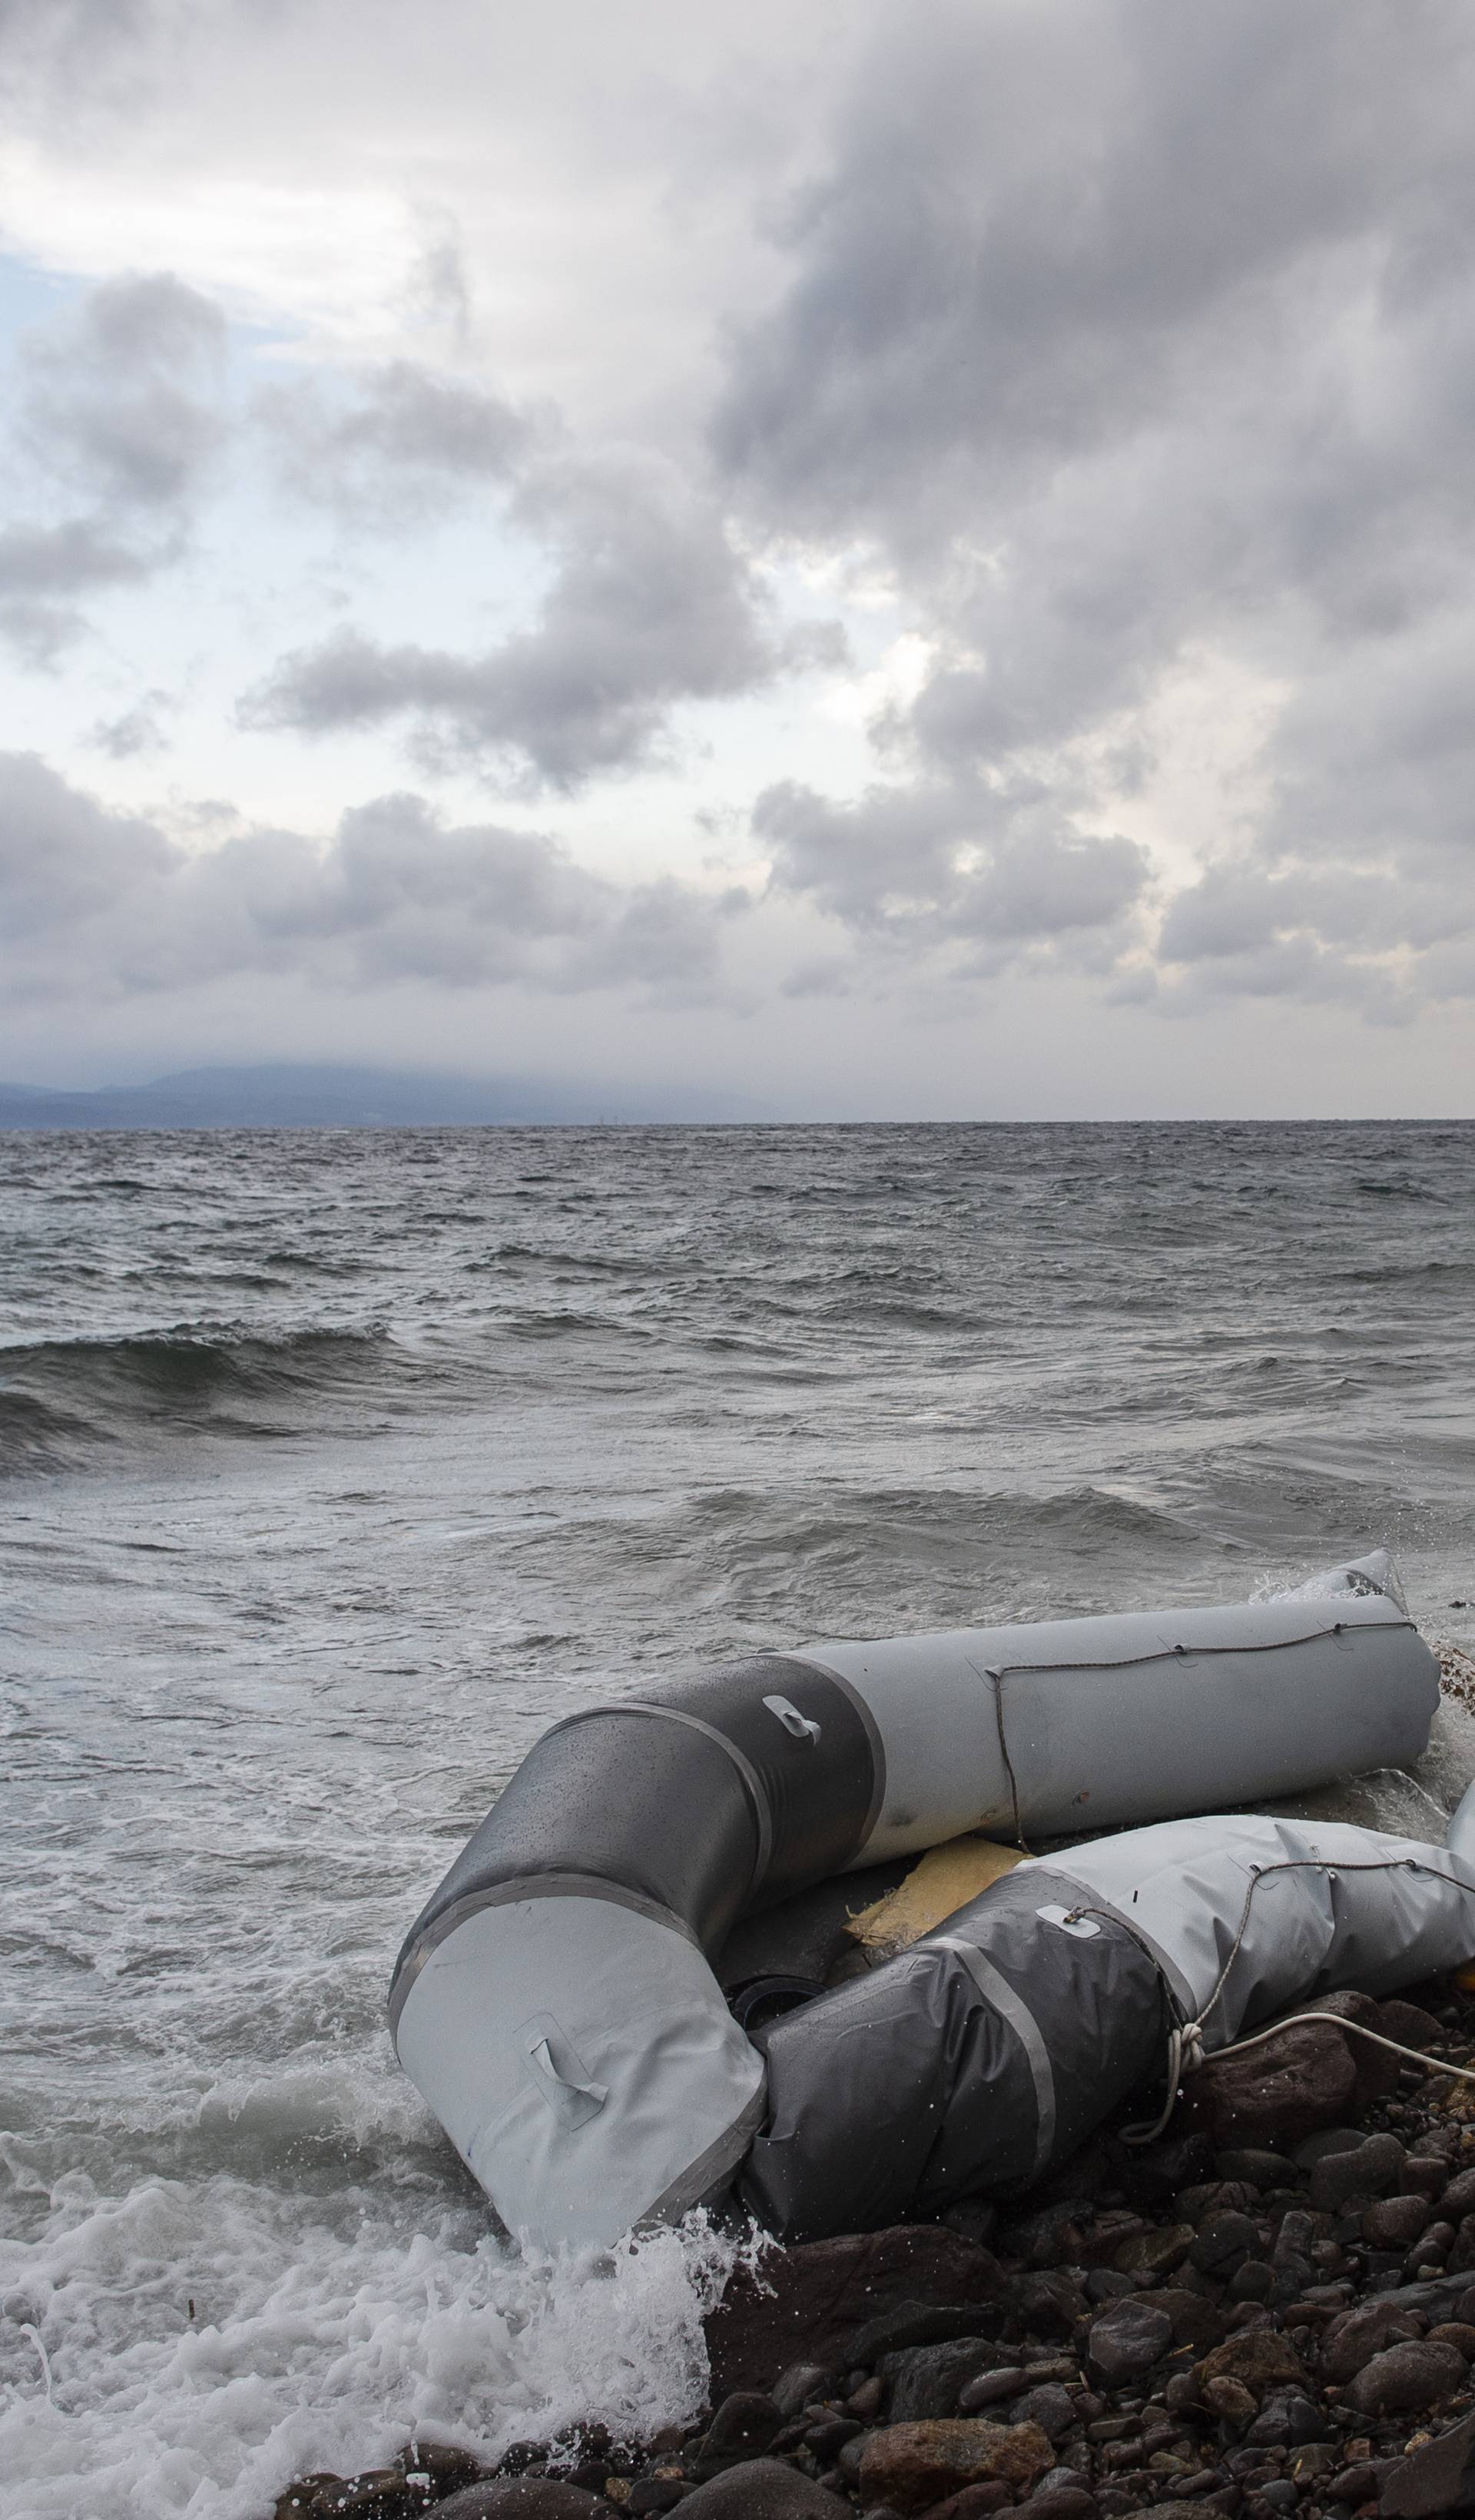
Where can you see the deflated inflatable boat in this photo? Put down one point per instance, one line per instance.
(555, 2004)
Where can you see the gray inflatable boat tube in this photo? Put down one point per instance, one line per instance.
(555, 2000)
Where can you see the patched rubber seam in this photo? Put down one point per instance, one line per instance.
(510, 1894)
(997, 1991)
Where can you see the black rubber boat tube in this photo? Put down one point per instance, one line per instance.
(990, 2048)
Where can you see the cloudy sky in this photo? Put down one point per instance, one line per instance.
(908, 558)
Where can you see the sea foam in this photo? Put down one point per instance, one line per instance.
(323, 2336)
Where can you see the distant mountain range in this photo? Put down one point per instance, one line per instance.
(283, 1096)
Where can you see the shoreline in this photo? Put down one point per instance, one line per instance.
(1269, 2311)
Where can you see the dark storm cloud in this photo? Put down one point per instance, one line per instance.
(97, 905)
(650, 604)
(1137, 338)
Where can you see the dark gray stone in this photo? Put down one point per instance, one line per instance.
(1258, 2167)
(993, 2387)
(742, 2427)
(522, 2498)
(1370, 2170)
(1407, 2380)
(1127, 2340)
(1431, 2482)
(1222, 2244)
(926, 2382)
(800, 2385)
(762, 2489)
(1050, 2407)
(918, 2322)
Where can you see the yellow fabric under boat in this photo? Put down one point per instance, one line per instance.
(945, 1879)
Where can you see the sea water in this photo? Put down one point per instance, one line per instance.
(336, 1465)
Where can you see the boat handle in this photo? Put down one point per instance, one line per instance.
(573, 2100)
(799, 1728)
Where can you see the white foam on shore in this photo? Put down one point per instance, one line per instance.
(326, 2332)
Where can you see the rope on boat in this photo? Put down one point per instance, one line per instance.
(1186, 2048)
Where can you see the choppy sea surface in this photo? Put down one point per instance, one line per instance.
(335, 1465)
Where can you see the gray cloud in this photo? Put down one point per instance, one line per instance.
(650, 604)
(45, 568)
(938, 869)
(1134, 342)
(118, 405)
(98, 905)
(123, 399)
(399, 443)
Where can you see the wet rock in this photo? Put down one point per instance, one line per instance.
(1457, 2332)
(1222, 2244)
(1395, 2222)
(976, 2218)
(447, 2469)
(1050, 2304)
(1369, 2169)
(1050, 2238)
(824, 2292)
(1230, 2399)
(1052, 2408)
(925, 2383)
(1155, 2253)
(1425, 2173)
(1288, 2418)
(802, 2384)
(376, 2494)
(1431, 2482)
(828, 2439)
(743, 2427)
(1160, 2170)
(763, 2489)
(1303, 2080)
(1404, 2379)
(911, 2467)
(1125, 2340)
(1258, 2358)
(1327, 2141)
(974, 2503)
(920, 2322)
(1062, 2502)
(522, 2498)
(1196, 2320)
(1353, 2339)
(993, 2388)
(1362, 2482)
(1257, 2167)
(1408, 2022)
(1458, 2199)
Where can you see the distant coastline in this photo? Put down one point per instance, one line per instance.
(285, 1095)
